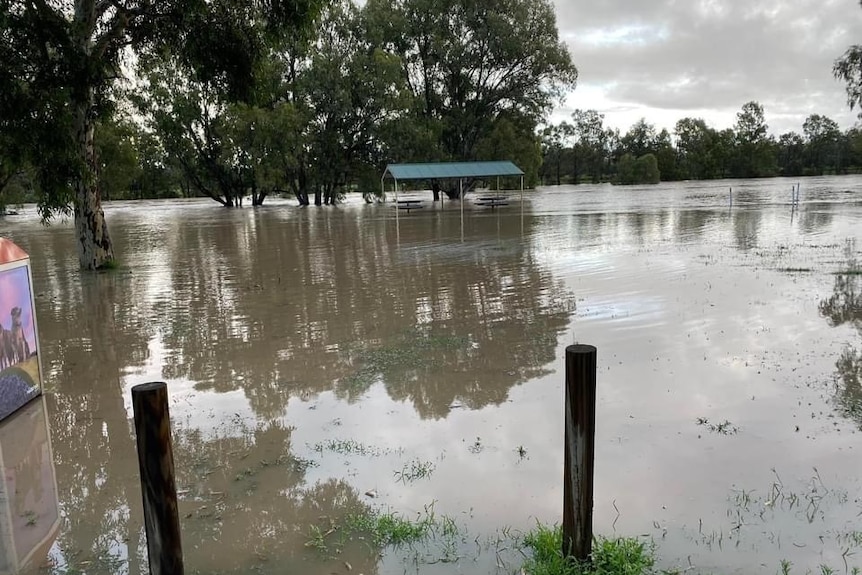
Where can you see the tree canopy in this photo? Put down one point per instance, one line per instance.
(848, 68)
(234, 98)
(62, 62)
(586, 150)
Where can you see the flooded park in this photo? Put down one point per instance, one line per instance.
(324, 363)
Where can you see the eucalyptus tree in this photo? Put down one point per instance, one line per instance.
(754, 152)
(470, 63)
(822, 137)
(191, 121)
(666, 156)
(592, 144)
(848, 68)
(552, 152)
(791, 149)
(695, 141)
(513, 137)
(62, 62)
(349, 94)
(117, 154)
(640, 139)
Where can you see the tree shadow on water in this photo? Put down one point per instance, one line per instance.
(844, 306)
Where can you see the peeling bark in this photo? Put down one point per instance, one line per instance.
(94, 244)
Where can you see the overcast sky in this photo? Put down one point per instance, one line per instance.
(668, 59)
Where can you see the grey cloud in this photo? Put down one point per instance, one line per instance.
(715, 54)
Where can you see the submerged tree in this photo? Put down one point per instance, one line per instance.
(470, 64)
(62, 61)
(349, 94)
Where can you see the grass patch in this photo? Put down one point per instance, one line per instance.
(414, 351)
(437, 535)
(621, 556)
(110, 265)
(389, 528)
(414, 470)
(381, 529)
(348, 447)
(723, 428)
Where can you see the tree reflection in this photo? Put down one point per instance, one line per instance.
(91, 336)
(243, 490)
(845, 306)
(281, 309)
(849, 395)
(245, 503)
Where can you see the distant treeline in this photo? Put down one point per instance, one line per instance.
(584, 150)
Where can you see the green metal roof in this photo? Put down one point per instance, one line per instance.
(452, 170)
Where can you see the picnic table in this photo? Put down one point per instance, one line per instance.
(492, 201)
(409, 205)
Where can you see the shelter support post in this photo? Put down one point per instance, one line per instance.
(461, 195)
(522, 204)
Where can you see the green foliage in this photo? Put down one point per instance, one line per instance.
(823, 137)
(584, 149)
(469, 64)
(513, 138)
(118, 159)
(643, 170)
(640, 139)
(623, 556)
(848, 68)
(354, 89)
(695, 142)
(753, 154)
(390, 528)
(593, 144)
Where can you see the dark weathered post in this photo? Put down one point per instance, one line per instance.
(580, 451)
(156, 459)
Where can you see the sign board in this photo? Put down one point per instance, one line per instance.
(20, 369)
(29, 504)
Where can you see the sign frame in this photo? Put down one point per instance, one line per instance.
(19, 260)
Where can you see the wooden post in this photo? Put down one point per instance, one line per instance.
(580, 451)
(156, 459)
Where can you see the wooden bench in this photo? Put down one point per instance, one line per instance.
(492, 201)
(409, 205)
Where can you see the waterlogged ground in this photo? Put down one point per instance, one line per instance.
(328, 364)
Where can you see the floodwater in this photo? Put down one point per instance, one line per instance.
(322, 362)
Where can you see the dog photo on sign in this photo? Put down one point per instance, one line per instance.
(19, 363)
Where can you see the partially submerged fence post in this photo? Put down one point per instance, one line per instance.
(156, 459)
(580, 451)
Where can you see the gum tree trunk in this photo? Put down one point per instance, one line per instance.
(94, 244)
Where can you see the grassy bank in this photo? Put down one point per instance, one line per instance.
(541, 548)
(621, 556)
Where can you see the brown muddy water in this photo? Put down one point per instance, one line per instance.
(316, 357)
